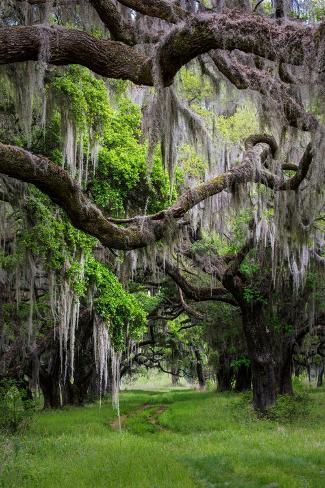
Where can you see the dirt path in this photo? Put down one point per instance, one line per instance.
(153, 419)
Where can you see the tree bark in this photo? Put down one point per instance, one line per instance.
(224, 373)
(175, 376)
(243, 378)
(247, 32)
(50, 390)
(259, 345)
(199, 369)
(284, 370)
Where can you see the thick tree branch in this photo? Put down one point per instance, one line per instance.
(235, 30)
(161, 9)
(61, 46)
(63, 190)
(196, 293)
(187, 308)
(111, 17)
(244, 77)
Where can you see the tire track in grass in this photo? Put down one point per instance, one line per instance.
(152, 419)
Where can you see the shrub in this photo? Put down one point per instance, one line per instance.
(16, 410)
(289, 408)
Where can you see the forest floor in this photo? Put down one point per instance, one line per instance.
(171, 439)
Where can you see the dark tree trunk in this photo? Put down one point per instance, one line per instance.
(259, 345)
(281, 8)
(320, 377)
(225, 373)
(284, 370)
(199, 369)
(309, 373)
(243, 378)
(51, 391)
(58, 392)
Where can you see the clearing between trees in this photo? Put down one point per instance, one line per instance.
(175, 438)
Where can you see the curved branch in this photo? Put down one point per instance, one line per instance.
(161, 9)
(255, 139)
(187, 308)
(278, 183)
(246, 32)
(236, 30)
(84, 215)
(197, 293)
(244, 77)
(111, 17)
(63, 190)
(61, 46)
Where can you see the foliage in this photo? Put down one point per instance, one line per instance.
(249, 267)
(149, 301)
(252, 294)
(122, 183)
(290, 408)
(69, 252)
(190, 165)
(119, 308)
(240, 125)
(84, 97)
(281, 327)
(16, 410)
(241, 361)
(195, 87)
(52, 236)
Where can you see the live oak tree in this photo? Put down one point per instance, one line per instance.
(148, 43)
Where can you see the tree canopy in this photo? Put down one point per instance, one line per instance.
(173, 155)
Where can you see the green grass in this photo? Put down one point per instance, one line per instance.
(177, 438)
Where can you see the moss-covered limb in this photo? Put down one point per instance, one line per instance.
(279, 183)
(106, 10)
(197, 293)
(249, 33)
(84, 215)
(244, 77)
(121, 30)
(110, 16)
(63, 190)
(243, 173)
(255, 139)
(61, 46)
(161, 9)
(302, 170)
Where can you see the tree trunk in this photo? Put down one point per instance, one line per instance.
(199, 369)
(259, 345)
(243, 378)
(224, 373)
(175, 375)
(320, 377)
(50, 390)
(285, 370)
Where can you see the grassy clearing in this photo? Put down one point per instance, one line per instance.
(174, 438)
